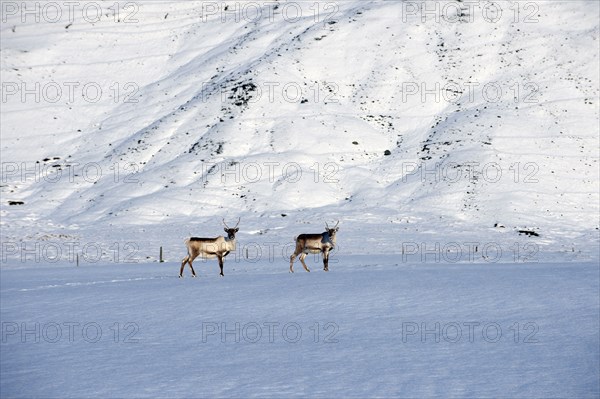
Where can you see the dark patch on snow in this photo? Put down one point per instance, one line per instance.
(529, 233)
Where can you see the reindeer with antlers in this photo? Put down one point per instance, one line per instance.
(210, 248)
(315, 243)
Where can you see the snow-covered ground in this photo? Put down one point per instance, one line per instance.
(371, 327)
(457, 143)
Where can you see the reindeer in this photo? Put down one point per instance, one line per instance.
(315, 243)
(209, 248)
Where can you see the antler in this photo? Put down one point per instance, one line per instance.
(327, 225)
(236, 225)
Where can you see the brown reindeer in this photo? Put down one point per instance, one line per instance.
(210, 248)
(315, 243)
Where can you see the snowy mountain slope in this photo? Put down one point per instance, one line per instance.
(274, 114)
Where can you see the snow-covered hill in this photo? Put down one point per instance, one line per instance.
(403, 122)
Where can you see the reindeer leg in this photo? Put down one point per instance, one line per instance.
(185, 260)
(221, 264)
(292, 258)
(302, 256)
(193, 271)
(326, 260)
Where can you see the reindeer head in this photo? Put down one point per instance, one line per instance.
(231, 231)
(332, 230)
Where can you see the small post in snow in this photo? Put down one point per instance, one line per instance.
(161, 260)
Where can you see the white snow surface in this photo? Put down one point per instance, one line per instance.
(492, 331)
(431, 133)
